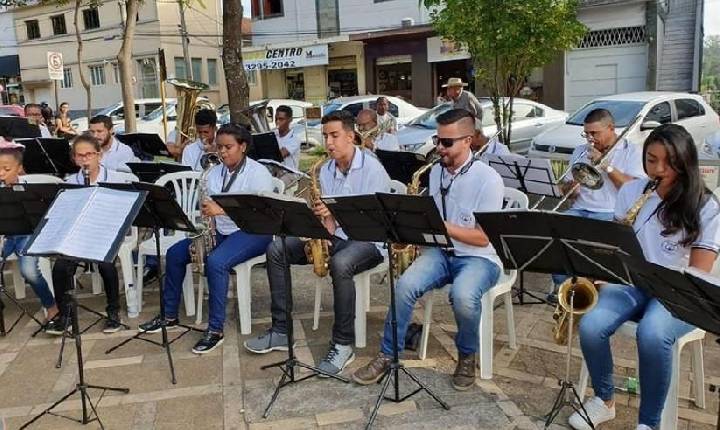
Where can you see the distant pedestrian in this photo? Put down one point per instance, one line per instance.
(461, 98)
(386, 122)
(63, 128)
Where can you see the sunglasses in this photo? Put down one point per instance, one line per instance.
(447, 142)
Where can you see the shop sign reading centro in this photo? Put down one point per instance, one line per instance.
(286, 58)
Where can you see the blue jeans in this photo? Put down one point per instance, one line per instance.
(29, 269)
(471, 277)
(656, 333)
(230, 251)
(602, 216)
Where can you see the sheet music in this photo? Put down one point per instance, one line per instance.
(59, 218)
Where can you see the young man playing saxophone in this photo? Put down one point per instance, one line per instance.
(349, 171)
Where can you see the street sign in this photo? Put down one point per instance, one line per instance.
(55, 65)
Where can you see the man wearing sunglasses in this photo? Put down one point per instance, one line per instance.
(625, 164)
(460, 186)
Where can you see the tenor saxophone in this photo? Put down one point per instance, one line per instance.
(203, 240)
(316, 250)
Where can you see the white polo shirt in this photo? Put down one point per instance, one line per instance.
(366, 176)
(667, 250)
(252, 177)
(626, 158)
(191, 155)
(495, 148)
(44, 131)
(387, 142)
(475, 187)
(116, 157)
(292, 146)
(105, 175)
(387, 123)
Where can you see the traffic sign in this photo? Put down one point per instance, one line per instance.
(55, 65)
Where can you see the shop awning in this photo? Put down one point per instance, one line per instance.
(9, 65)
(411, 32)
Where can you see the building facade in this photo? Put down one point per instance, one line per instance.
(10, 81)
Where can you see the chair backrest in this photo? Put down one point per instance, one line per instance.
(185, 185)
(515, 199)
(39, 178)
(397, 187)
(278, 185)
(126, 177)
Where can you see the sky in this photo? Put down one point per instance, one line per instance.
(246, 7)
(712, 17)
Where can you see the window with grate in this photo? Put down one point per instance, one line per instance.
(196, 64)
(33, 29)
(614, 37)
(180, 69)
(58, 24)
(212, 72)
(116, 73)
(67, 81)
(97, 75)
(91, 18)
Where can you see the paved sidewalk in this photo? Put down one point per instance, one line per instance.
(227, 390)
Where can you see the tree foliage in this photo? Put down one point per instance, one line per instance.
(507, 39)
(711, 70)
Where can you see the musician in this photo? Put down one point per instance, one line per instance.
(205, 129)
(372, 136)
(33, 112)
(86, 152)
(350, 170)
(236, 174)
(11, 155)
(460, 186)
(461, 98)
(480, 141)
(679, 226)
(625, 164)
(114, 154)
(385, 120)
(289, 145)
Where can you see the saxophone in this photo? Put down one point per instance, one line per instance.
(203, 240)
(402, 255)
(316, 250)
(634, 210)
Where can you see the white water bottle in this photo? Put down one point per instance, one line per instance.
(132, 301)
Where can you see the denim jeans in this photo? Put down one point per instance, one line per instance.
(347, 259)
(29, 269)
(63, 272)
(602, 216)
(657, 331)
(471, 277)
(230, 251)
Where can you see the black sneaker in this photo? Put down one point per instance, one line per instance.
(150, 274)
(112, 324)
(208, 343)
(55, 326)
(154, 325)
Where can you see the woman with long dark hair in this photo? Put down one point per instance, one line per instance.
(678, 226)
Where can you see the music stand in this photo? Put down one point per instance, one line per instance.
(14, 127)
(392, 218)
(283, 217)
(548, 242)
(151, 171)
(265, 146)
(159, 211)
(146, 146)
(47, 155)
(400, 165)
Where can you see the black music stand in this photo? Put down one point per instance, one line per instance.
(392, 218)
(159, 211)
(14, 127)
(283, 217)
(265, 146)
(400, 165)
(47, 155)
(151, 172)
(146, 146)
(548, 242)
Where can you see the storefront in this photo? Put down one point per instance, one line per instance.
(449, 61)
(11, 90)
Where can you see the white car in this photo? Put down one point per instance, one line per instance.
(529, 119)
(117, 112)
(688, 110)
(311, 135)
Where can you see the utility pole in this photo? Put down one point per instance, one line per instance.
(184, 36)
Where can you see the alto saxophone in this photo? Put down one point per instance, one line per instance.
(316, 250)
(634, 210)
(203, 241)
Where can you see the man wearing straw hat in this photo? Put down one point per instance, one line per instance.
(462, 99)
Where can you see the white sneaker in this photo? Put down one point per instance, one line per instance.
(597, 411)
(643, 427)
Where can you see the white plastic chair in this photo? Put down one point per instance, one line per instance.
(185, 185)
(513, 199)
(669, 418)
(243, 272)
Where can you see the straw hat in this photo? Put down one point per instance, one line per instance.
(455, 82)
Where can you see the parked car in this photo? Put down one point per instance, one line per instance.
(312, 134)
(297, 106)
(688, 110)
(117, 112)
(529, 118)
(12, 110)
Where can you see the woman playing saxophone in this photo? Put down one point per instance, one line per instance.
(677, 225)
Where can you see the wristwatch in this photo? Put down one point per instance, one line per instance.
(609, 169)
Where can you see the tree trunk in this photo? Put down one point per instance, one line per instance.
(125, 64)
(83, 78)
(235, 79)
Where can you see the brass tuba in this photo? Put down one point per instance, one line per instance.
(203, 241)
(585, 298)
(187, 104)
(316, 250)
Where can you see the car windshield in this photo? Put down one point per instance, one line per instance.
(157, 113)
(429, 119)
(622, 111)
(109, 110)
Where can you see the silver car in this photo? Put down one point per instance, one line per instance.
(529, 119)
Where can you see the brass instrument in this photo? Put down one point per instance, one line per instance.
(187, 104)
(203, 240)
(585, 298)
(371, 135)
(634, 210)
(316, 250)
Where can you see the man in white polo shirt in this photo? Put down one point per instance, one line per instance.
(114, 153)
(372, 137)
(205, 128)
(289, 145)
